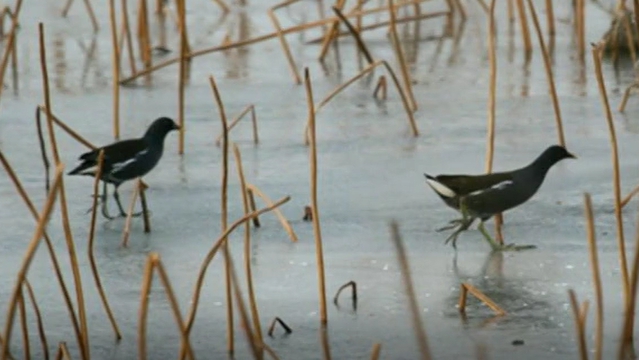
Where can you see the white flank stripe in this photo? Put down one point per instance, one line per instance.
(440, 188)
(89, 171)
(121, 165)
(498, 186)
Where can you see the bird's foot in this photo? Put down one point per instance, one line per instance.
(451, 225)
(137, 214)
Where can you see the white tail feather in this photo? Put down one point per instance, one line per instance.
(440, 188)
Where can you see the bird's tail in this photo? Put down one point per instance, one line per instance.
(81, 169)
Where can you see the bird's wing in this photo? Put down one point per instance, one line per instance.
(116, 152)
(467, 184)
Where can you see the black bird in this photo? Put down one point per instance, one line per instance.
(482, 196)
(127, 159)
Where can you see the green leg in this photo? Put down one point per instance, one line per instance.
(498, 247)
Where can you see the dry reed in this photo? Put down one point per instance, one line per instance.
(377, 349)
(579, 325)
(224, 190)
(549, 74)
(182, 74)
(358, 39)
(294, 29)
(490, 135)
(381, 89)
(28, 257)
(319, 252)
(129, 216)
(22, 309)
(63, 352)
(580, 25)
(330, 34)
(626, 343)
(145, 209)
(251, 196)
(283, 43)
(91, 252)
(596, 54)
(116, 71)
(283, 220)
(353, 285)
(276, 321)
(468, 288)
(550, 18)
(52, 254)
(525, 32)
(366, 70)
(68, 129)
(236, 120)
(418, 326)
(127, 36)
(43, 151)
(63, 203)
(38, 316)
(399, 54)
(596, 280)
(247, 247)
(87, 4)
(190, 319)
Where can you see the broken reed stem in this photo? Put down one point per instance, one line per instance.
(319, 252)
(377, 349)
(94, 21)
(236, 120)
(129, 217)
(145, 209)
(43, 151)
(283, 220)
(490, 136)
(549, 74)
(284, 44)
(358, 39)
(579, 325)
(90, 249)
(68, 130)
(596, 280)
(353, 285)
(525, 32)
(190, 319)
(224, 204)
(369, 68)
(145, 292)
(28, 257)
(399, 53)
(381, 89)
(247, 246)
(84, 348)
(63, 352)
(182, 74)
(294, 29)
(596, 54)
(22, 308)
(418, 326)
(38, 316)
(144, 39)
(468, 288)
(276, 321)
(50, 249)
(116, 71)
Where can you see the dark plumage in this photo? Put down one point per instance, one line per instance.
(127, 159)
(482, 196)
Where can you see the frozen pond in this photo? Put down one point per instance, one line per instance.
(370, 171)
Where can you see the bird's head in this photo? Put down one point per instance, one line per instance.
(161, 127)
(558, 152)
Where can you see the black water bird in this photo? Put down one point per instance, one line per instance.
(482, 196)
(127, 159)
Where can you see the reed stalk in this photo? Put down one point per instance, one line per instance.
(116, 71)
(319, 252)
(579, 326)
(525, 32)
(182, 74)
(38, 316)
(285, 223)
(284, 44)
(276, 321)
(596, 280)
(399, 53)
(377, 349)
(236, 120)
(468, 288)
